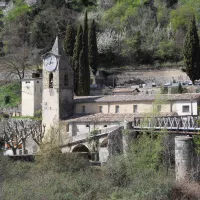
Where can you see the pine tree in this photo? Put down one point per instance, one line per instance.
(82, 84)
(85, 52)
(69, 41)
(92, 47)
(77, 50)
(191, 52)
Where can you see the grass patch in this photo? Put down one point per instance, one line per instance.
(26, 117)
(10, 95)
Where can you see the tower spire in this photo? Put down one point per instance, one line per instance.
(57, 48)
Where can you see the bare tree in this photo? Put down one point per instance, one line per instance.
(15, 133)
(37, 131)
(16, 64)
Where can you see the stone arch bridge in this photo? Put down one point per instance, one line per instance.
(110, 141)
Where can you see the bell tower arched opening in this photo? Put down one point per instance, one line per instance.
(51, 80)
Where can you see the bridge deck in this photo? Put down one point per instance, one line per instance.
(188, 123)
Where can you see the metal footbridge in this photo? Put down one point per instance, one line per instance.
(189, 123)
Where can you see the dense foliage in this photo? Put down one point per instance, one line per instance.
(77, 49)
(69, 41)
(86, 74)
(129, 32)
(92, 48)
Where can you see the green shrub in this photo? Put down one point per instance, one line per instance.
(53, 159)
(116, 171)
(141, 171)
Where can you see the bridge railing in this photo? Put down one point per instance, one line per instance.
(190, 122)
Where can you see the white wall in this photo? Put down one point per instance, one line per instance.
(27, 98)
(79, 128)
(31, 96)
(103, 154)
(178, 107)
(50, 110)
(37, 95)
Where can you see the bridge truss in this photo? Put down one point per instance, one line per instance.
(190, 123)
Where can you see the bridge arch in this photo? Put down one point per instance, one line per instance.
(104, 143)
(80, 148)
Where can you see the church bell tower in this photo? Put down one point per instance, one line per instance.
(58, 86)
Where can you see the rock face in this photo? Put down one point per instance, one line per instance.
(184, 154)
(31, 2)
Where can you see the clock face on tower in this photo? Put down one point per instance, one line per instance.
(50, 63)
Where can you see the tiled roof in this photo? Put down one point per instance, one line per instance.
(142, 97)
(125, 90)
(100, 117)
(110, 117)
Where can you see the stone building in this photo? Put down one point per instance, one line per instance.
(58, 86)
(83, 115)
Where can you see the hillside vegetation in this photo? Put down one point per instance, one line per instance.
(10, 95)
(145, 173)
(56, 176)
(129, 32)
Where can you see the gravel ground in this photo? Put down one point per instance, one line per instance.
(159, 77)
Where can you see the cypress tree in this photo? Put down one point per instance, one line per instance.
(180, 88)
(191, 52)
(85, 52)
(77, 50)
(82, 84)
(92, 47)
(69, 41)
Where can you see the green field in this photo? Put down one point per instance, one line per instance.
(10, 95)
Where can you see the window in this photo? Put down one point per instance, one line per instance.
(65, 79)
(100, 109)
(185, 109)
(116, 109)
(83, 109)
(171, 107)
(135, 108)
(50, 80)
(158, 108)
(67, 127)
